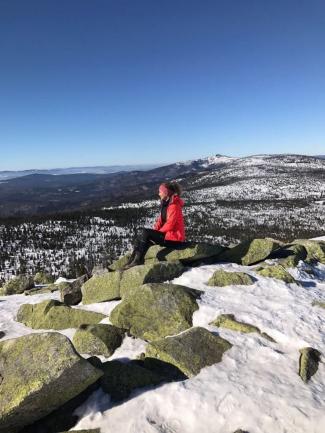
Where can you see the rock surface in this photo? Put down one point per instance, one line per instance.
(101, 288)
(39, 373)
(51, 314)
(189, 351)
(43, 278)
(98, 339)
(70, 294)
(250, 252)
(18, 285)
(315, 250)
(289, 256)
(275, 271)
(308, 363)
(155, 310)
(223, 278)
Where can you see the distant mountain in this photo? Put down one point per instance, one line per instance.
(4, 175)
(259, 177)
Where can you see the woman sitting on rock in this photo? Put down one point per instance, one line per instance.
(168, 230)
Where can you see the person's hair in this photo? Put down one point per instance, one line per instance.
(174, 187)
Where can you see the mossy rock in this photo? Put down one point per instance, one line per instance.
(39, 372)
(315, 250)
(150, 273)
(71, 294)
(250, 252)
(48, 289)
(101, 288)
(43, 278)
(52, 314)
(229, 321)
(275, 271)
(155, 310)
(98, 339)
(18, 285)
(2, 291)
(189, 254)
(319, 304)
(223, 278)
(121, 379)
(308, 363)
(289, 256)
(189, 351)
(119, 264)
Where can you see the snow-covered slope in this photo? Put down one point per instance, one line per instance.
(256, 386)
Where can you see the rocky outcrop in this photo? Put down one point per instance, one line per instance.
(308, 363)
(18, 285)
(189, 351)
(152, 311)
(223, 278)
(119, 264)
(39, 290)
(70, 293)
(275, 271)
(51, 314)
(39, 372)
(250, 252)
(189, 254)
(229, 321)
(289, 256)
(315, 250)
(112, 285)
(319, 304)
(98, 339)
(43, 278)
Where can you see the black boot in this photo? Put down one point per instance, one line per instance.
(138, 260)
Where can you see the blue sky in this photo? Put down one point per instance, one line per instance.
(105, 82)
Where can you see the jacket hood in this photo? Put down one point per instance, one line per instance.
(177, 200)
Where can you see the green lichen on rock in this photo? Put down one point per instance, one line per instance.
(190, 351)
(308, 363)
(223, 278)
(43, 278)
(39, 372)
(275, 271)
(119, 264)
(52, 314)
(229, 321)
(315, 250)
(71, 293)
(319, 304)
(98, 339)
(289, 256)
(18, 285)
(155, 310)
(250, 252)
(100, 288)
(188, 255)
(121, 379)
(151, 273)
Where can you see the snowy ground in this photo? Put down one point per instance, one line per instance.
(256, 386)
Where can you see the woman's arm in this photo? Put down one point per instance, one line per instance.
(171, 219)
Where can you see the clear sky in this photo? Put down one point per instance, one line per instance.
(101, 82)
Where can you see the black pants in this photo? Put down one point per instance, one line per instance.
(148, 237)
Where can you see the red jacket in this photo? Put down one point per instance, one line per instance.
(174, 225)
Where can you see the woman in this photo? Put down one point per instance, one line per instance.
(168, 230)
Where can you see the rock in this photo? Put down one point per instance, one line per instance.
(319, 304)
(39, 290)
(43, 278)
(223, 278)
(189, 351)
(70, 294)
(120, 379)
(241, 431)
(250, 252)
(275, 271)
(2, 291)
(113, 285)
(18, 285)
(39, 372)
(2, 334)
(155, 310)
(98, 339)
(308, 363)
(229, 321)
(152, 273)
(99, 270)
(315, 250)
(189, 254)
(118, 265)
(289, 255)
(100, 288)
(52, 314)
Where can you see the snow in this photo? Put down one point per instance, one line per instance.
(255, 387)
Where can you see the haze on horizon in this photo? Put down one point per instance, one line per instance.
(124, 83)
